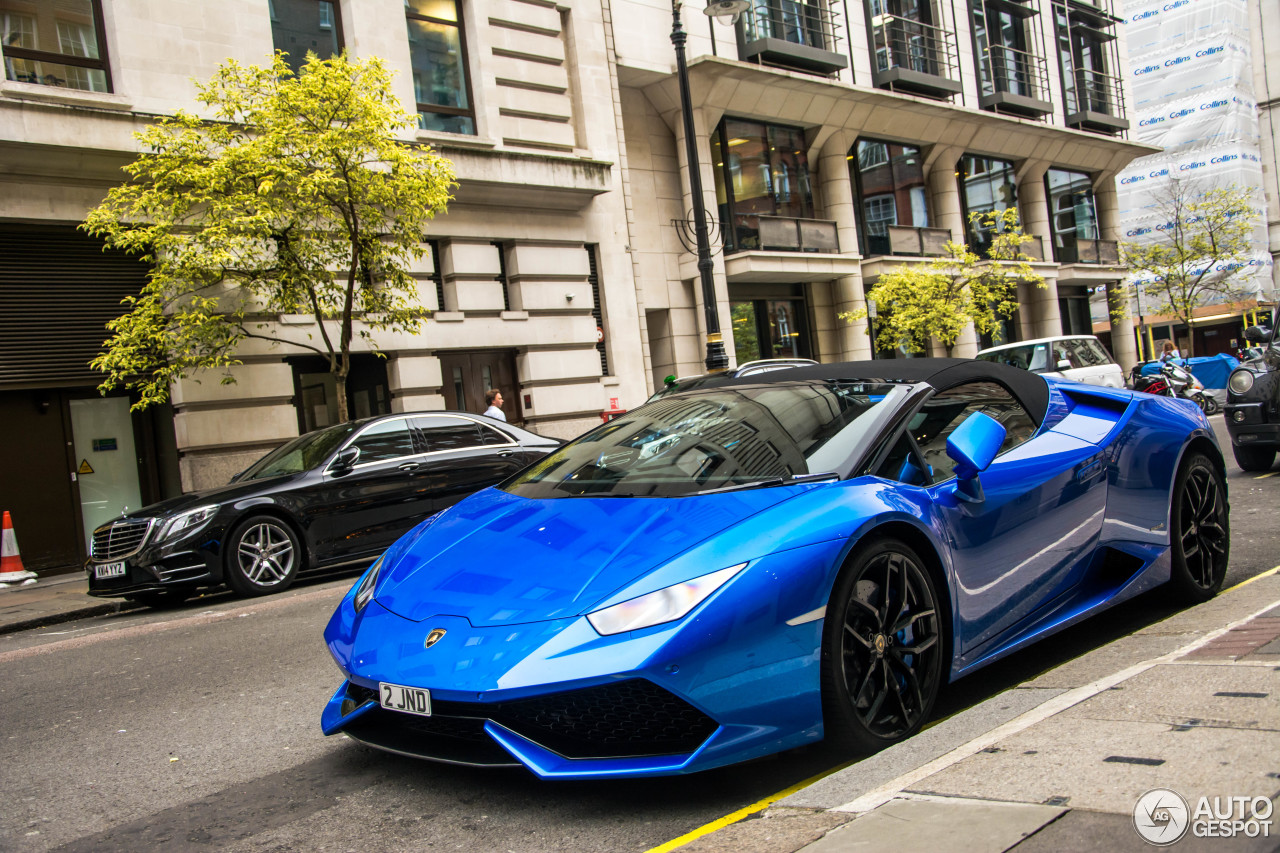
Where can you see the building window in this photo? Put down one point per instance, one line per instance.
(302, 26)
(1073, 216)
(761, 170)
(769, 328)
(55, 44)
(986, 185)
(1000, 36)
(438, 56)
(1087, 54)
(889, 178)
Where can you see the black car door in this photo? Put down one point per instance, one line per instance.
(369, 506)
(463, 456)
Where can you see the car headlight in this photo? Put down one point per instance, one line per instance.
(364, 591)
(663, 605)
(186, 522)
(1241, 381)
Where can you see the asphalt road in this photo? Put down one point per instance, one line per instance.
(199, 729)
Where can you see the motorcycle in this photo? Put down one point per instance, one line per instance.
(1174, 380)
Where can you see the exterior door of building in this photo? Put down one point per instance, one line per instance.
(769, 328)
(106, 460)
(469, 374)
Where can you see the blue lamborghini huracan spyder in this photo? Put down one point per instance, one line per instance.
(748, 564)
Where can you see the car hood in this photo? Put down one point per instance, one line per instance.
(217, 495)
(499, 559)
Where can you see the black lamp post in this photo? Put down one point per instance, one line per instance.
(717, 359)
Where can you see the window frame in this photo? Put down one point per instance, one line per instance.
(727, 209)
(982, 247)
(441, 109)
(856, 166)
(1056, 236)
(102, 63)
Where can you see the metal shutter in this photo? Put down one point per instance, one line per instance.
(58, 289)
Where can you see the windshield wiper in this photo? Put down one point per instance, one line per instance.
(774, 481)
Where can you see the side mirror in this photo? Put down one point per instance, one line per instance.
(236, 476)
(345, 460)
(1063, 364)
(1256, 334)
(973, 445)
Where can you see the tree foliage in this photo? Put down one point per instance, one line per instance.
(292, 198)
(945, 296)
(1198, 253)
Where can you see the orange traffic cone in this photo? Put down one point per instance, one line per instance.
(11, 570)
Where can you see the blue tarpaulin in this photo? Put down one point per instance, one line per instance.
(1212, 370)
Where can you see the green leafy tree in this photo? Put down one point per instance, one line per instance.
(292, 198)
(1198, 256)
(942, 298)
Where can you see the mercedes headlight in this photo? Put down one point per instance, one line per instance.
(663, 605)
(364, 591)
(186, 522)
(1241, 381)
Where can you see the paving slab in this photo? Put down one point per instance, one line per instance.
(876, 770)
(1222, 695)
(1228, 607)
(1113, 657)
(1080, 831)
(936, 823)
(1106, 765)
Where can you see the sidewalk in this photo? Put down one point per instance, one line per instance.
(48, 601)
(1191, 704)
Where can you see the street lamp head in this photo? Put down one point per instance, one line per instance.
(726, 9)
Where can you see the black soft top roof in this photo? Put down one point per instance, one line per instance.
(941, 373)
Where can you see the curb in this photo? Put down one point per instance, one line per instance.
(104, 609)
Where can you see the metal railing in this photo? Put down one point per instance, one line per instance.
(1015, 72)
(811, 24)
(910, 240)
(1095, 92)
(899, 42)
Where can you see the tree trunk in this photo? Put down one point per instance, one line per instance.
(340, 390)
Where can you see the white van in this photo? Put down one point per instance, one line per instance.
(1081, 358)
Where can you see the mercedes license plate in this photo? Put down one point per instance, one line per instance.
(409, 700)
(103, 571)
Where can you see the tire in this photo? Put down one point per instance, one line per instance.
(878, 684)
(1210, 405)
(262, 556)
(1199, 530)
(162, 600)
(1254, 458)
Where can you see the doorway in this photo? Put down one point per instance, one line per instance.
(769, 328)
(75, 460)
(468, 375)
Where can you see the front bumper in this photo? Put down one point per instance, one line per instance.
(1248, 425)
(188, 562)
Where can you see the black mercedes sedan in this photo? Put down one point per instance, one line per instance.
(334, 497)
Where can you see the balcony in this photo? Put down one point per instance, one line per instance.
(1014, 81)
(787, 234)
(1096, 102)
(914, 57)
(792, 34)
(1082, 251)
(909, 240)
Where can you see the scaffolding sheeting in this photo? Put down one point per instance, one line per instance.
(1190, 69)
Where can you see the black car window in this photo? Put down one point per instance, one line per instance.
(946, 410)
(383, 441)
(302, 454)
(442, 432)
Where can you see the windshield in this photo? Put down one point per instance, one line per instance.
(716, 438)
(1033, 357)
(302, 454)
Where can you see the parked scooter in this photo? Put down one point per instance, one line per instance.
(1174, 380)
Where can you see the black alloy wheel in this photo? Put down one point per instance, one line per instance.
(1200, 530)
(1257, 459)
(262, 556)
(882, 653)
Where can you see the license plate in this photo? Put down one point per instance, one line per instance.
(408, 700)
(108, 570)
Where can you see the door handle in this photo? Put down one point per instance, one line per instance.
(409, 466)
(505, 452)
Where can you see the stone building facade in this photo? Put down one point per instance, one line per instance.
(835, 140)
